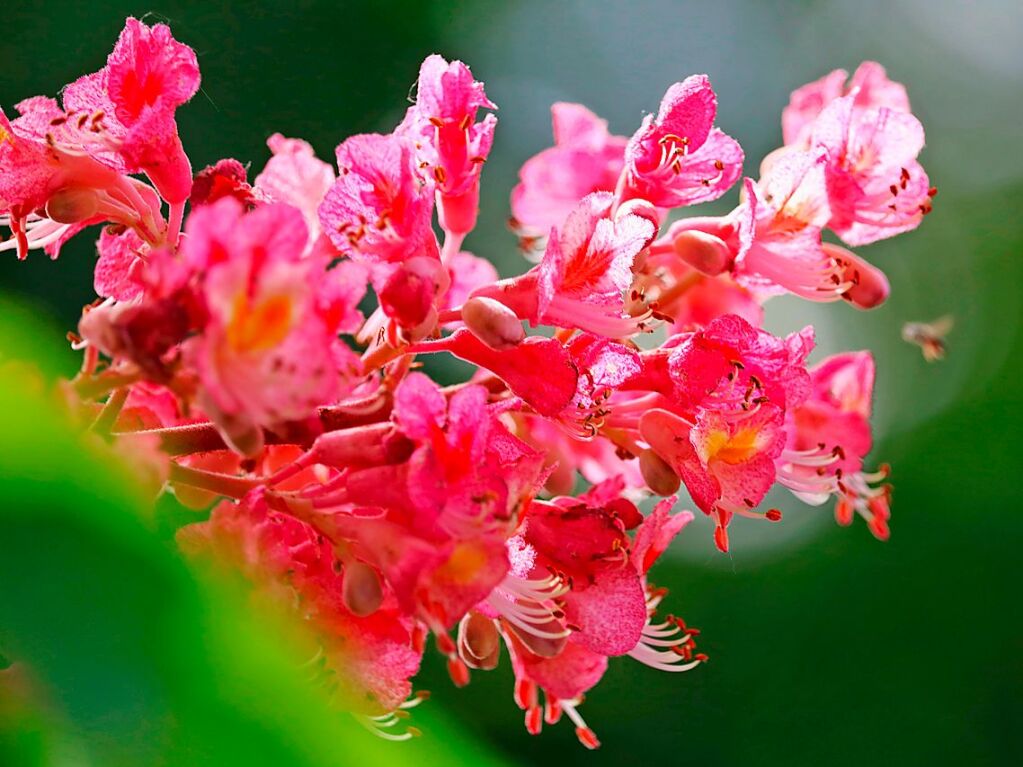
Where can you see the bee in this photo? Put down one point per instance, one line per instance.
(929, 336)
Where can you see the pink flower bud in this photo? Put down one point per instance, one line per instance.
(479, 643)
(69, 206)
(361, 589)
(869, 287)
(657, 474)
(493, 323)
(704, 252)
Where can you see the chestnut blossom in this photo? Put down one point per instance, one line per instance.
(585, 158)
(451, 146)
(678, 157)
(869, 86)
(498, 517)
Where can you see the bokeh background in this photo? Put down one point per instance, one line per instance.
(826, 646)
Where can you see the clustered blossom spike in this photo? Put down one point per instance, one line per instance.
(227, 352)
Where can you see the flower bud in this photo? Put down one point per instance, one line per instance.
(70, 206)
(657, 474)
(704, 252)
(411, 291)
(361, 589)
(493, 323)
(479, 643)
(869, 286)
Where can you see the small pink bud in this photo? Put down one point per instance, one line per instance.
(493, 323)
(411, 291)
(657, 474)
(360, 589)
(869, 287)
(704, 252)
(69, 206)
(479, 643)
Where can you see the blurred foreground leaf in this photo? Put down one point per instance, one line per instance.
(124, 656)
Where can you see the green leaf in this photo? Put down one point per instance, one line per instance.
(136, 659)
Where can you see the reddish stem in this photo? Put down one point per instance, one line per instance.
(222, 484)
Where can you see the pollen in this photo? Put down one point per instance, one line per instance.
(260, 326)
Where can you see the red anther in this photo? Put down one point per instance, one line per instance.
(446, 644)
(587, 737)
(879, 527)
(458, 672)
(843, 512)
(360, 590)
(525, 693)
(694, 632)
(551, 711)
(534, 720)
(932, 191)
(885, 469)
(415, 732)
(721, 538)
(418, 639)
(702, 657)
(773, 515)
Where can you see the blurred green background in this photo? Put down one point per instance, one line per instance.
(826, 646)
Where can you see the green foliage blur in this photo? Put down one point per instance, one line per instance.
(826, 646)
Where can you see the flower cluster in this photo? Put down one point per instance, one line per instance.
(229, 354)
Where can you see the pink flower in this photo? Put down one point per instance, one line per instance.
(464, 456)
(876, 187)
(377, 211)
(450, 144)
(39, 174)
(829, 436)
(585, 158)
(225, 178)
(679, 158)
(269, 352)
(733, 385)
(121, 260)
(296, 176)
(130, 106)
(608, 605)
(779, 228)
(433, 518)
(585, 271)
(869, 86)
